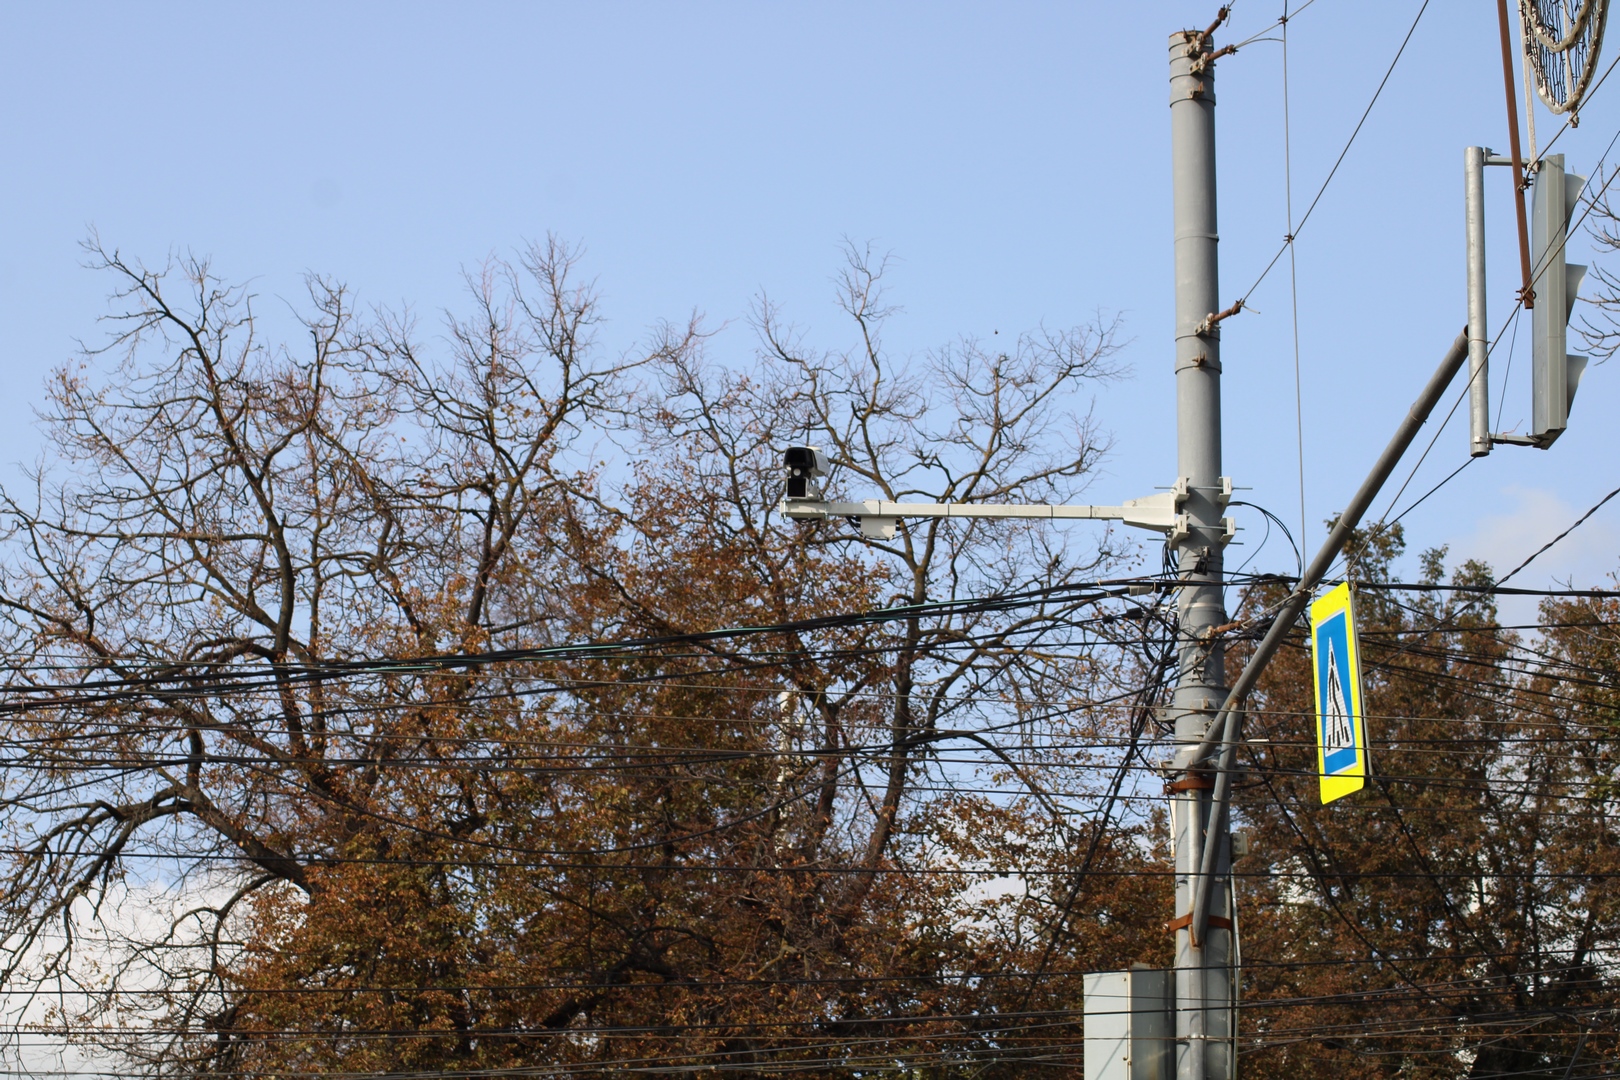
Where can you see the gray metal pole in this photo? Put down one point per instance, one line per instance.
(1203, 974)
(1479, 400)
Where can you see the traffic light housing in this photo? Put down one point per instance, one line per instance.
(1555, 373)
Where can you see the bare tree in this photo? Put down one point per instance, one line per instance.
(968, 423)
(227, 513)
(283, 631)
(1601, 334)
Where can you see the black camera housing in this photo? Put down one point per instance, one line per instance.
(803, 464)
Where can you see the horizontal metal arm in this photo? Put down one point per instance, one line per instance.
(1157, 512)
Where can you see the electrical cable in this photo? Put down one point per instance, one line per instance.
(1122, 797)
(1309, 210)
(1293, 281)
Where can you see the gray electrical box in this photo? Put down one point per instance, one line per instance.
(1129, 1025)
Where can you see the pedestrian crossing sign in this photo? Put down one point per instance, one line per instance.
(1341, 726)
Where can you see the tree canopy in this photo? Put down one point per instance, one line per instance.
(393, 700)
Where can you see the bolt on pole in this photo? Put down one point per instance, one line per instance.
(1204, 979)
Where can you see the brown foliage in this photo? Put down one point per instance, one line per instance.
(306, 770)
(1457, 917)
(230, 605)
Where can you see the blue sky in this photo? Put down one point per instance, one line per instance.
(1013, 157)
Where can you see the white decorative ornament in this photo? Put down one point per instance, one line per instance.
(1561, 40)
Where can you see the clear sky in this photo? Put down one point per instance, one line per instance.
(1014, 158)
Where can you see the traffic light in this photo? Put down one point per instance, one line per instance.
(1555, 373)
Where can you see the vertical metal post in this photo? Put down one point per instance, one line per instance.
(1527, 293)
(1203, 969)
(1479, 400)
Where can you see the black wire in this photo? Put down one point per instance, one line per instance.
(1299, 559)
(1340, 159)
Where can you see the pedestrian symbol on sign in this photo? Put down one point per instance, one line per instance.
(1335, 714)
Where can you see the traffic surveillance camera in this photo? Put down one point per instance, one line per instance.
(804, 464)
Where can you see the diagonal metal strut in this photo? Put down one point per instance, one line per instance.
(1223, 729)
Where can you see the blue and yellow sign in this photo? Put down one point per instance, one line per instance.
(1341, 726)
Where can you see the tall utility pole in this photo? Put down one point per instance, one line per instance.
(1125, 1011)
(1204, 987)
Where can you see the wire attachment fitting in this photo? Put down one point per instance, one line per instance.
(1201, 65)
(1199, 39)
(1213, 320)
